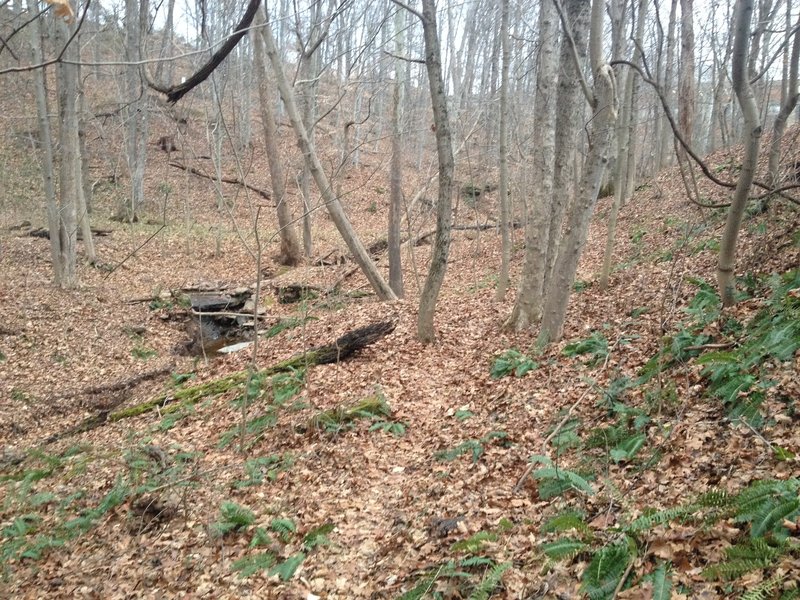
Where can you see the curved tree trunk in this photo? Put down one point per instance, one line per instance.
(356, 247)
(444, 150)
(751, 140)
(604, 115)
(290, 245)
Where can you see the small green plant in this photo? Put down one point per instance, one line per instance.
(233, 518)
(142, 352)
(554, 481)
(474, 447)
(286, 324)
(512, 361)
(372, 208)
(318, 536)
(396, 428)
(254, 429)
(371, 408)
(596, 346)
(581, 285)
(462, 414)
(265, 467)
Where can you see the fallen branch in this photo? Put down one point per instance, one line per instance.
(123, 384)
(233, 180)
(342, 349)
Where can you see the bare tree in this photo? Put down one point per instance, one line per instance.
(505, 202)
(789, 97)
(136, 113)
(290, 245)
(334, 207)
(528, 305)
(751, 139)
(46, 145)
(444, 152)
(396, 166)
(603, 100)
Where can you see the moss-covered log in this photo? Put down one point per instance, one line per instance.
(342, 349)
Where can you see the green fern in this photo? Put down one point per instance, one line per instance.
(654, 519)
(601, 577)
(474, 543)
(764, 590)
(234, 518)
(569, 519)
(563, 548)
(287, 568)
(253, 563)
(574, 480)
(490, 581)
(662, 582)
(283, 527)
(752, 555)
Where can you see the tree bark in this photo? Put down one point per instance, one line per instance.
(604, 114)
(789, 101)
(396, 169)
(70, 167)
(569, 117)
(528, 305)
(290, 245)
(332, 203)
(45, 138)
(136, 111)
(505, 201)
(751, 140)
(444, 151)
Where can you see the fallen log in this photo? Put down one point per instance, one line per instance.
(233, 180)
(343, 348)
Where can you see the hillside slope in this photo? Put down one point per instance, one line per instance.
(418, 484)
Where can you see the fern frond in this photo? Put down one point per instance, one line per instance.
(733, 569)
(766, 521)
(662, 582)
(490, 581)
(563, 548)
(565, 521)
(661, 517)
(474, 543)
(575, 480)
(606, 569)
(764, 590)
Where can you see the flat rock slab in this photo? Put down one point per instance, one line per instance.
(215, 302)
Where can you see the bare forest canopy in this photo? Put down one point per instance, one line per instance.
(400, 299)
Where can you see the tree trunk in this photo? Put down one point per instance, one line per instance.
(604, 114)
(505, 201)
(528, 305)
(569, 116)
(290, 245)
(626, 150)
(686, 98)
(332, 203)
(396, 168)
(70, 167)
(789, 101)
(444, 151)
(751, 140)
(45, 138)
(667, 139)
(136, 112)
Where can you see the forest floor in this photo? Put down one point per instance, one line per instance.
(417, 490)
